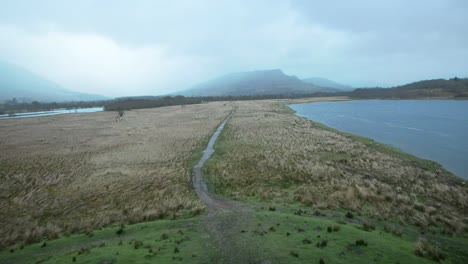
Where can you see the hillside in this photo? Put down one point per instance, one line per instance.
(19, 83)
(255, 83)
(438, 88)
(326, 83)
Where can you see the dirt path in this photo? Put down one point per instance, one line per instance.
(226, 218)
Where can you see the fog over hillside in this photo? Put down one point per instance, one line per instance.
(254, 83)
(25, 86)
(160, 47)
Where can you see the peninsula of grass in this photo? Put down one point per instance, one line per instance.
(100, 189)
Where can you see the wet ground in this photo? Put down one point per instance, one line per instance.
(226, 218)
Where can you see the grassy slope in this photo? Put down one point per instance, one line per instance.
(277, 236)
(285, 234)
(159, 241)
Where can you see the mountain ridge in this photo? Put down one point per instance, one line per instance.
(254, 83)
(324, 82)
(24, 85)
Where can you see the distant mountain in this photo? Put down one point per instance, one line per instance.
(438, 88)
(19, 83)
(255, 83)
(322, 82)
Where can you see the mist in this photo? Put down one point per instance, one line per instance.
(118, 48)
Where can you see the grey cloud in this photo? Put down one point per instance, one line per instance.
(162, 46)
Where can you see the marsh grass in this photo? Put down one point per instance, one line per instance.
(266, 153)
(75, 173)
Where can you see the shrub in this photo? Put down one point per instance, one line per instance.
(300, 212)
(419, 251)
(120, 230)
(361, 242)
(321, 261)
(419, 207)
(341, 222)
(322, 244)
(436, 253)
(349, 215)
(272, 208)
(137, 244)
(176, 250)
(44, 245)
(306, 241)
(84, 250)
(294, 254)
(423, 248)
(368, 226)
(393, 231)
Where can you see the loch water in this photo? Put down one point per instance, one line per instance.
(429, 129)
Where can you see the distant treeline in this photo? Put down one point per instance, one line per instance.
(13, 106)
(439, 88)
(140, 102)
(151, 102)
(452, 88)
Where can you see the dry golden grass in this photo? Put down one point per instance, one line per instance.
(268, 153)
(69, 173)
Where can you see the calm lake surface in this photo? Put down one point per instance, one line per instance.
(54, 112)
(430, 129)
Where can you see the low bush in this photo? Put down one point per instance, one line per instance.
(424, 248)
(368, 226)
(349, 215)
(322, 244)
(361, 242)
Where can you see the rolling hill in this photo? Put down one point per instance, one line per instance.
(437, 88)
(255, 83)
(17, 82)
(326, 83)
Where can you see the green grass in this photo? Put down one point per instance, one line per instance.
(283, 237)
(280, 236)
(163, 241)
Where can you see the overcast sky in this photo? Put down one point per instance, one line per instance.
(118, 48)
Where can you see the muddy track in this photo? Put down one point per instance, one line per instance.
(226, 218)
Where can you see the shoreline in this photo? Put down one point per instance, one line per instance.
(372, 143)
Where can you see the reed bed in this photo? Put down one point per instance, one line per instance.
(267, 153)
(74, 173)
